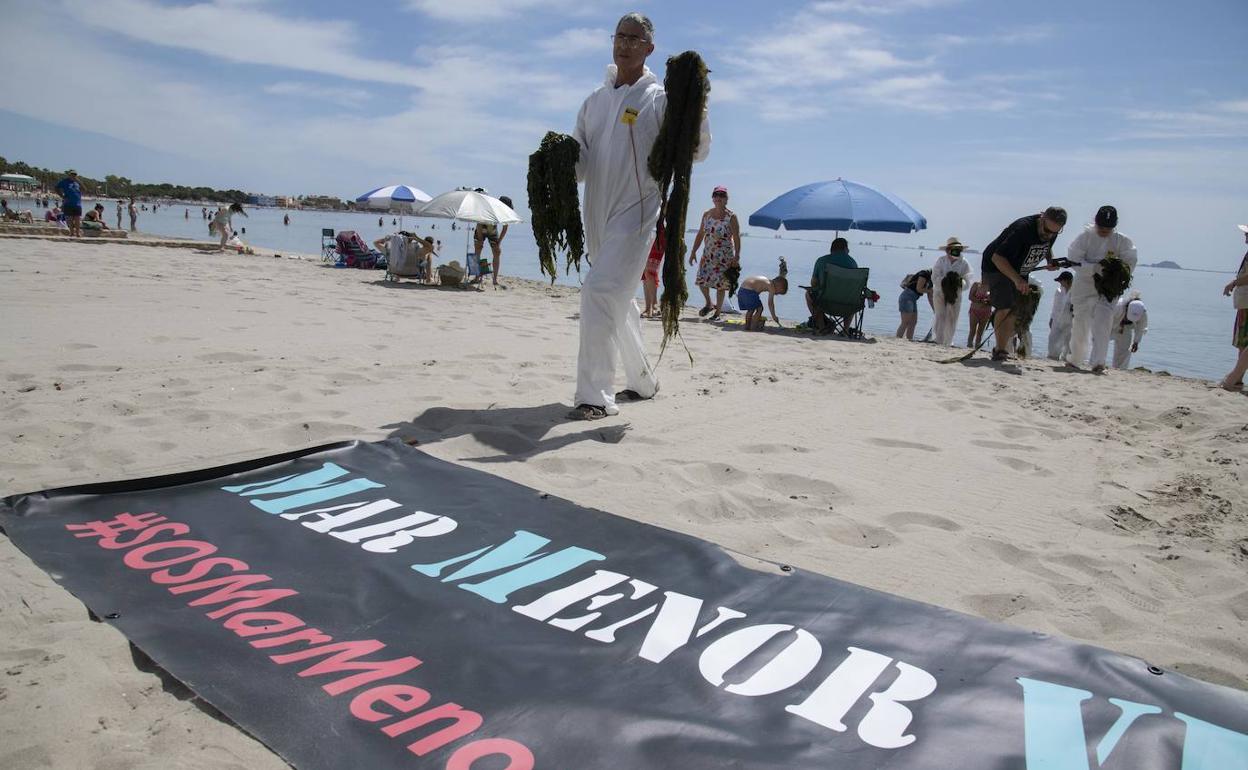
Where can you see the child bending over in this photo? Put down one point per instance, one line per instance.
(749, 298)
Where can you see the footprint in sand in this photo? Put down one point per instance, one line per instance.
(999, 606)
(767, 449)
(790, 484)
(1023, 466)
(228, 357)
(911, 520)
(895, 444)
(1004, 445)
(697, 475)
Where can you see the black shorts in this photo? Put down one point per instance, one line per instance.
(1003, 292)
(71, 210)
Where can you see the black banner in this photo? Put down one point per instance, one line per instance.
(367, 605)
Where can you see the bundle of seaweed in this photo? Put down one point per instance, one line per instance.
(951, 287)
(554, 202)
(1114, 278)
(671, 165)
(1024, 311)
(733, 276)
(1025, 308)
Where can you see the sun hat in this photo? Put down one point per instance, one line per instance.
(1106, 216)
(953, 241)
(1065, 275)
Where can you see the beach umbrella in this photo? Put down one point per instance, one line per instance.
(402, 198)
(839, 205)
(470, 206)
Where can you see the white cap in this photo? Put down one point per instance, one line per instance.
(1243, 228)
(1135, 310)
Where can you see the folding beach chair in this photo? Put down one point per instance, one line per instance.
(843, 299)
(404, 259)
(329, 246)
(354, 252)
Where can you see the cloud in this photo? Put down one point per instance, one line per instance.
(576, 42)
(1221, 120)
(472, 11)
(792, 70)
(316, 91)
(244, 33)
(932, 92)
(435, 135)
(879, 7)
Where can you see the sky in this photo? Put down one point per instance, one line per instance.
(974, 111)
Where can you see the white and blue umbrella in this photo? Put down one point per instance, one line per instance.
(839, 205)
(395, 197)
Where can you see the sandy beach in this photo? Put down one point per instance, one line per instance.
(1108, 509)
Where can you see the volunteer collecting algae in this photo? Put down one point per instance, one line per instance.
(616, 129)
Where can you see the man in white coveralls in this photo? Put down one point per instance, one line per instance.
(1093, 314)
(616, 128)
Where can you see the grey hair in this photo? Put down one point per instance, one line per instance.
(641, 20)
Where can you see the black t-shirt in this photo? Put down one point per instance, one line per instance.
(1021, 245)
(913, 283)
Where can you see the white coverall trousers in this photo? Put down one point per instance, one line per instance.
(610, 318)
(1059, 340)
(1089, 333)
(1124, 338)
(946, 319)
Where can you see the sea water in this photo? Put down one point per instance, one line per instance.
(1189, 319)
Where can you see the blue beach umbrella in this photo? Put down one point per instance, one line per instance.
(402, 198)
(839, 205)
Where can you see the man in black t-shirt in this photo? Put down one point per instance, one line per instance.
(1019, 249)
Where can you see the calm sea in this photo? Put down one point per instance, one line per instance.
(1189, 319)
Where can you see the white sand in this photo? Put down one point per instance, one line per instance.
(1109, 509)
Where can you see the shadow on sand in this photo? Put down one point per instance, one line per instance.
(516, 433)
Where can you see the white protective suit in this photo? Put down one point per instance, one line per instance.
(1130, 326)
(1093, 314)
(620, 207)
(946, 315)
(1060, 321)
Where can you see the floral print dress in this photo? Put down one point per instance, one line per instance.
(717, 252)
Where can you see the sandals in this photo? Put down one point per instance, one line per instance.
(1000, 355)
(630, 395)
(702, 313)
(587, 412)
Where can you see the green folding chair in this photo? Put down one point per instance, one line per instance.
(843, 298)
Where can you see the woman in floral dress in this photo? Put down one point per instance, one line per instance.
(722, 235)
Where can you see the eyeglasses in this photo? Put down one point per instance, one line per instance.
(628, 41)
(1053, 233)
(955, 251)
